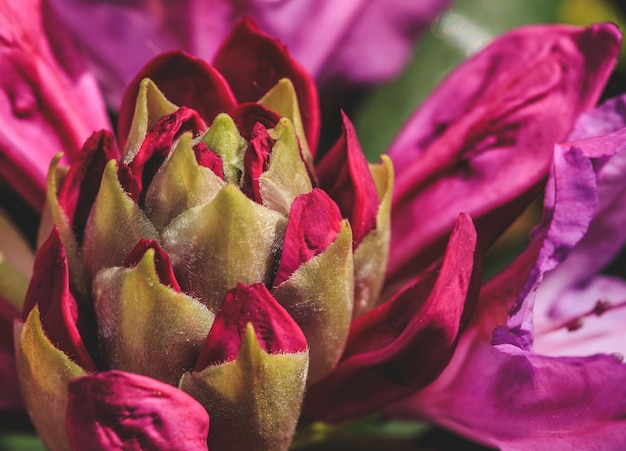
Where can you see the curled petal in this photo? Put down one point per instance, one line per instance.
(256, 160)
(276, 331)
(117, 410)
(483, 141)
(344, 174)
(49, 290)
(185, 81)
(80, 187)
(162, 263)
(157, 144)
(387, 347)
(253, 62)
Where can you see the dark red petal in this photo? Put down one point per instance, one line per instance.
(256, 160)
(10, 397)
(253, 62)
(49, 290)
(156, 146)
(162, 262)
(344, 174)
(314, 223)
(275, 330)
(248, 114)
(185, 81)
(209, 159)
(118, 410)
(82, 182)
(403, 345)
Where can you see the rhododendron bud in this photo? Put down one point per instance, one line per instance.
(210, 256)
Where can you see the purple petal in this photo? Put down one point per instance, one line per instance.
(569, 204)
(360, 41)
(50, 102)
(117, 410)
(519, 401)
(483, 141)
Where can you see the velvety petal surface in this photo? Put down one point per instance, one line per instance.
(118, 410)
(50, 101)
(482, 142)
(276, 332)
(520, 401)
(402, 345)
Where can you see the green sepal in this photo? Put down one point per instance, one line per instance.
(150, 106)
(146, 327)
(114, 227)
(54, 215)
(286, 176)
(319, 298)
(16, 262)
(44, 372)
(282, 99)
(229, 240)
(254, 402)
(224, 139)
(370, 258)
(179, 185)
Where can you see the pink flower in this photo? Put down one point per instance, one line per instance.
(357, 41)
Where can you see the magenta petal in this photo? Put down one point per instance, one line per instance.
(483, 140)
(49, 290)
(344, 174)
(185, 81)
(81, 185)
(50, 101)
(402, 345)
(10, 397)
(313, 224)
(275, 330)
(253, 62)
(162, 262)
(118, 410)
(209, 159)
(522, 401)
